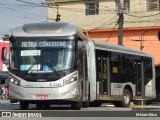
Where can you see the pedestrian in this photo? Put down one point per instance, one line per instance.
(6, 93)
(3, 92)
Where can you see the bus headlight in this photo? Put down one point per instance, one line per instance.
(71, 80)
(16, 82)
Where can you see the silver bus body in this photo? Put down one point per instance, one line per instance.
(116, 93)
(55, 90)
(51, 36)
(82, 83)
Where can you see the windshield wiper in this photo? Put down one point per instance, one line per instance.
(31, 66)
(53, 69)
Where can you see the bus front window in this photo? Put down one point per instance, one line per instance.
(30, 60)
(60, 59)
(50, 60)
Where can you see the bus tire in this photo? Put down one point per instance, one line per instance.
(85, 104)
(76, 105)
(24, 105)
(126, 98)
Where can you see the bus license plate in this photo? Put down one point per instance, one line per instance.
(41, 97)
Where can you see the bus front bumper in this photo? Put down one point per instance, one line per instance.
(69, 92)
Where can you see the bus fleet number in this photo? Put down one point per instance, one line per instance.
(55, 84)
(117, 86)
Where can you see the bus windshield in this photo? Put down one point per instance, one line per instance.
(47, 60)
(32, 62)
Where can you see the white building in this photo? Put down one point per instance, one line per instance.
(93, 14)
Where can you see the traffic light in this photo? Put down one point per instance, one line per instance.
(158, 35)
(58, 18)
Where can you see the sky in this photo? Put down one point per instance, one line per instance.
(18, 12)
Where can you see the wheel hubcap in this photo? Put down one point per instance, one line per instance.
(126, 98)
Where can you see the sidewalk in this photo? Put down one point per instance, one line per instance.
(4, 101)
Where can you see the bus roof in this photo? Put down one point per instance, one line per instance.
(117, 48)
(45, 29)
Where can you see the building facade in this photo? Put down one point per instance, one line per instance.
(99, 19)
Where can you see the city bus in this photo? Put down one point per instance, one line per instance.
(54, 63)
(4, 47)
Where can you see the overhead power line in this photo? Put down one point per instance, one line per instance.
(19, 12)
(142, 16)
(112, 31)
(19, 5)
(31, 3)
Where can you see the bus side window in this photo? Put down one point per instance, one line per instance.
(148, 69)
(4, 53)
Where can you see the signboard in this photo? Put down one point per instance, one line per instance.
(30, 53)
(42, 44)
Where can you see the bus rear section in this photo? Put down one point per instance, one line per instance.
(119, 74)
(157, 84)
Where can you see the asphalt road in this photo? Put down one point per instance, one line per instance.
(6, 105)
(61, 112)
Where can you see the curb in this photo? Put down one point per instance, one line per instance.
(4, 101)
(140, 107)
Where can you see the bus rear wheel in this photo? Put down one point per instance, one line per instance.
(126, 99)
(76, 105)
(85, 104)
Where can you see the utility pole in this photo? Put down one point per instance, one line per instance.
(51, 4)
(58, 15)
(142, 42)
(120, 23)
(141, 39)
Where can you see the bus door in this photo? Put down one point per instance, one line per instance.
(139, 82)
(103, 75)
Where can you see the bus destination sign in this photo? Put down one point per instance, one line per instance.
(55, 44)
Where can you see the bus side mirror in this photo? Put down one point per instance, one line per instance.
(4, 53)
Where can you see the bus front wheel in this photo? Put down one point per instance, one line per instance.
(24, 105)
